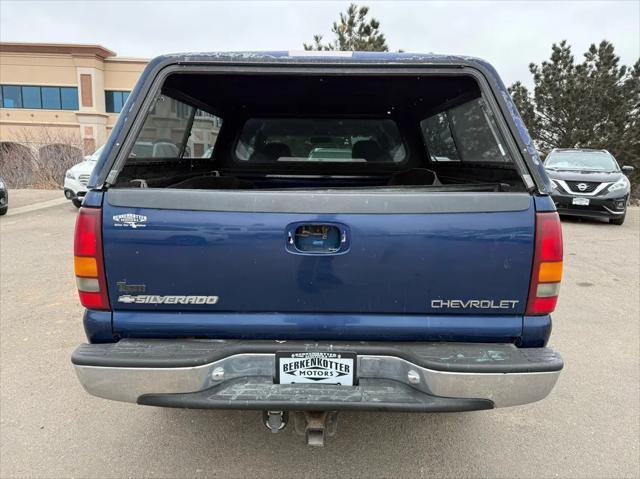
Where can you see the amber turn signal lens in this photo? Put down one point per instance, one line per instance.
(85, 267)
(550, 272)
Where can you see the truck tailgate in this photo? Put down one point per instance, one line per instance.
(441, 260)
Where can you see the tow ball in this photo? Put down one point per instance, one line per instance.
(315, 426)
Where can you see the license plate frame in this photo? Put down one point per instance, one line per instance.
(316, 367)
(580, 201)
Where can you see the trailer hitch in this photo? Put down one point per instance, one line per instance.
(316, 426)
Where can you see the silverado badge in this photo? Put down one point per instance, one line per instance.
(155, 299)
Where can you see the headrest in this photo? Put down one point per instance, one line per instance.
(368, 150)
(273, 151)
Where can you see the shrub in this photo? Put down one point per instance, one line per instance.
(39, 158)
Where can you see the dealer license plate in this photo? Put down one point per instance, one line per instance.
(581, 201)
(315, 367)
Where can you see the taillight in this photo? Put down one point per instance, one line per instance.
(547, 265)
(87, 261)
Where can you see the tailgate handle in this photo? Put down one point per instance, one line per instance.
(317, 238)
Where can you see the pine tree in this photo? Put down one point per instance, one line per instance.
(353, 33)
(593, 104)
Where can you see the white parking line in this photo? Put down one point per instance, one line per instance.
(36, 206)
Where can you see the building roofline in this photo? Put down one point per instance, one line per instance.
(60, 48)
(127, 59)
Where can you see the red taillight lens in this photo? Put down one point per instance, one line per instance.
(547, 265)
(92, 300)
(87, 232)
(89, 266)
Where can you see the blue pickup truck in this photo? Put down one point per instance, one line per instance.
(304, 233)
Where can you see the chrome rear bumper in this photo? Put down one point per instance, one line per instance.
(130, 384)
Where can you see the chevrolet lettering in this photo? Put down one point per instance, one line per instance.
(474, 303)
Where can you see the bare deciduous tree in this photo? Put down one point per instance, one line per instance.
(39, 157)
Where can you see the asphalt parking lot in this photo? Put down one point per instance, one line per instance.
(588, 427)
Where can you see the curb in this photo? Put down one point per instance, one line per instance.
(35, 207)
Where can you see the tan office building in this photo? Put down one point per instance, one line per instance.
(51, 92)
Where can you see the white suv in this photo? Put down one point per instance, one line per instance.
(77, 177)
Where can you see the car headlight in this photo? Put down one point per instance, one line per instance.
(554, 185)
(69, 175)
(621, 184)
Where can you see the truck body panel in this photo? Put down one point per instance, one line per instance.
(395, 263)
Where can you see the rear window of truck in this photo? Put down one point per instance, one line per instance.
(265, 140)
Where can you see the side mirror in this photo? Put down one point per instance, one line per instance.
(627, 170)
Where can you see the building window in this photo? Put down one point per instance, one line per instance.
(203, 115)
(69, 98)
(114, 100)
(31, 97)
(11, 97)
(38, 97)
(51, 98)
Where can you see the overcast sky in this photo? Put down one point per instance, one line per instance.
(510, 34)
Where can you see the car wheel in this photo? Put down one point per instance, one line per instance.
(3, 211)
(619, 220)
(76, 202)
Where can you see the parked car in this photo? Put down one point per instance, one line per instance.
(589, 183)
(77, 177)
(208, 153)
(271, 279)
(154, 149)
(4, 197)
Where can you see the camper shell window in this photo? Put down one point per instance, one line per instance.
(211, 131)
